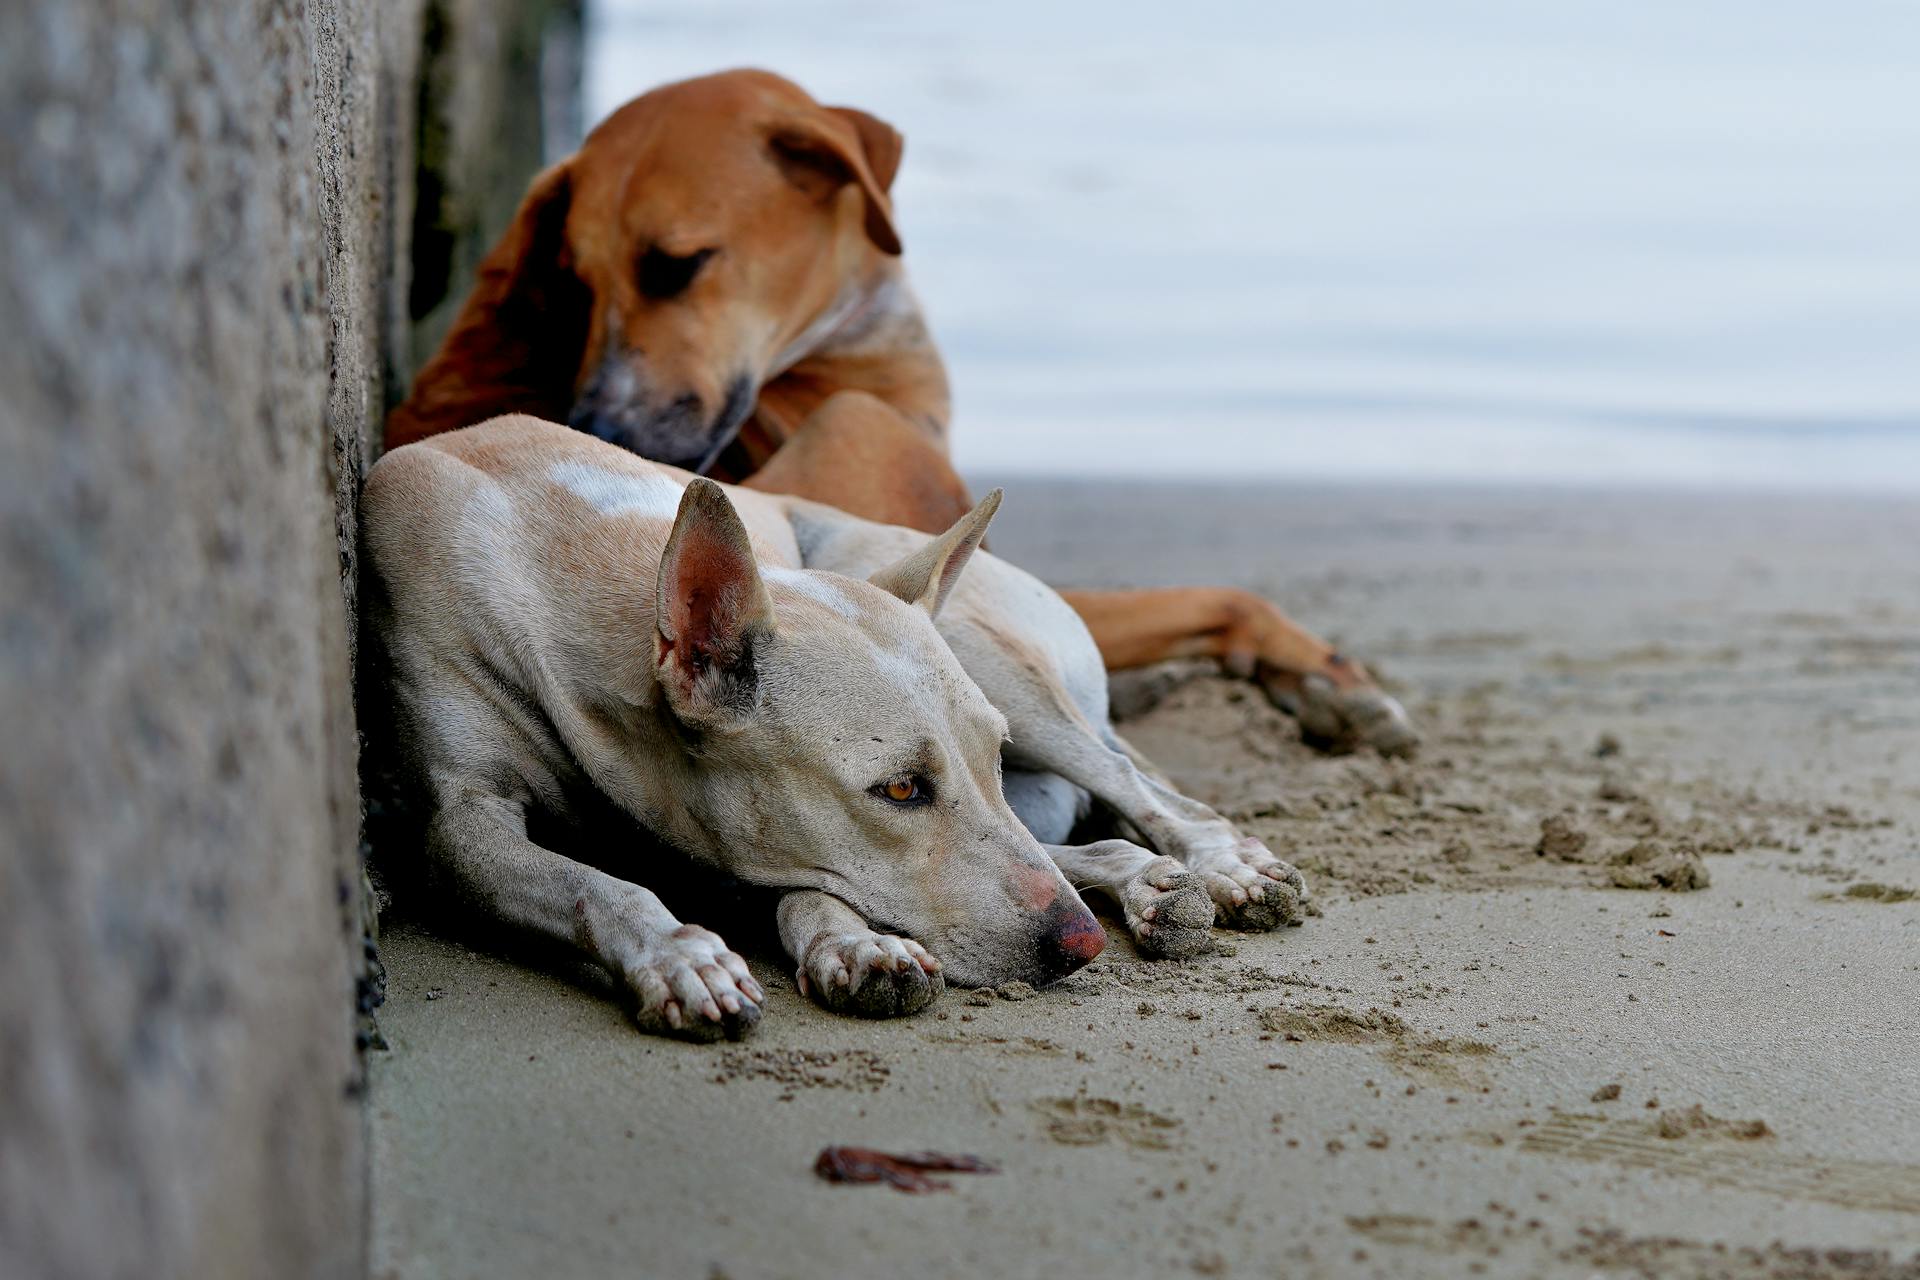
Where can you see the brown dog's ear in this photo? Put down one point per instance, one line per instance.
(880, 140)
(825, 152)
(515, 345)
(711, 608)
(528, 269)
(926, 577)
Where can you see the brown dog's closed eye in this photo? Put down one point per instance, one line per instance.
(666, 275)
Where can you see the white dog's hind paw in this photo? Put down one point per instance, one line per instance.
(1168, 911)
(1254, 890)
(690, 986)
(870, 975)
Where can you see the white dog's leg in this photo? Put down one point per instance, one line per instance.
(848, 967)
(1167, 909)
(1038, 666)
(1047, 804)
(687, 983)
(1253, 889)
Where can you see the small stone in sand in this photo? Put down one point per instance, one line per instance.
(1606, 1093)
(1017, 991)
(980, 996)
(1607, 746)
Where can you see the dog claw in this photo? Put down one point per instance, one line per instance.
(689, 985)
(1256, 891)
(890, 977)
(1275, 905)
(1168, 912)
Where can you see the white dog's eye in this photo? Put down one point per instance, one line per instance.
(905, 791)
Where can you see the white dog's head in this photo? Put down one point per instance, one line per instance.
(835, 743)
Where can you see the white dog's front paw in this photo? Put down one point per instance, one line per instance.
(870, 975)
(689, 985)
(1254, 890)
(1168, 911)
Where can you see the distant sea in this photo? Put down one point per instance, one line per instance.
(1574, 242)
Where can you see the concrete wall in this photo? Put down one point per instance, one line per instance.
(204, 311)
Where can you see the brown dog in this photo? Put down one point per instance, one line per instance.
(714, 281)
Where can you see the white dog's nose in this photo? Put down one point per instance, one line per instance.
(1073, 937)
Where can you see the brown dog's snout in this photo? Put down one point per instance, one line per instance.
(622, 405)
(1072, 938)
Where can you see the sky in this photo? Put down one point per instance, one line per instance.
(1576, 243)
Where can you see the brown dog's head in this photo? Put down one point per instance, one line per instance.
(708, 229)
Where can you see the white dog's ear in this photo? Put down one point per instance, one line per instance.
(926, 577)
(711, 609)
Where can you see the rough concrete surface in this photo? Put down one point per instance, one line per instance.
(1483, 1059)
(202, 297)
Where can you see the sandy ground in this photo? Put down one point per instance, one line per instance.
(1482, 1059)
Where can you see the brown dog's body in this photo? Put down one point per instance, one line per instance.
(714, 282)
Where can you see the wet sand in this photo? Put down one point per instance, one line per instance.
(1486, 1056)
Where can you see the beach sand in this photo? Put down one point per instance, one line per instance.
(1515, 1042)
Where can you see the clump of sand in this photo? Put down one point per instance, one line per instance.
(1868, 891)
(1438, 1057)
(858, 1069)
(1342, 1026)
(1088, 1122)
(1560, 840)
(1696, 1122)
(1494, 800)
(1649, 865)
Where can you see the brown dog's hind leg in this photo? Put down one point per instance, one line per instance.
(1335, 699)
(850, 968)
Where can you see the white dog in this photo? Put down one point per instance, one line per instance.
(759, 681)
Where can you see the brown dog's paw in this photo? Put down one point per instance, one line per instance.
(691, 987)
(1336, 719)
(1168, 911)
(1255, 891)
(870, 975)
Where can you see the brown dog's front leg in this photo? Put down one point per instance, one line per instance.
(685, 980)
(1333, 696)
(847, 966)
